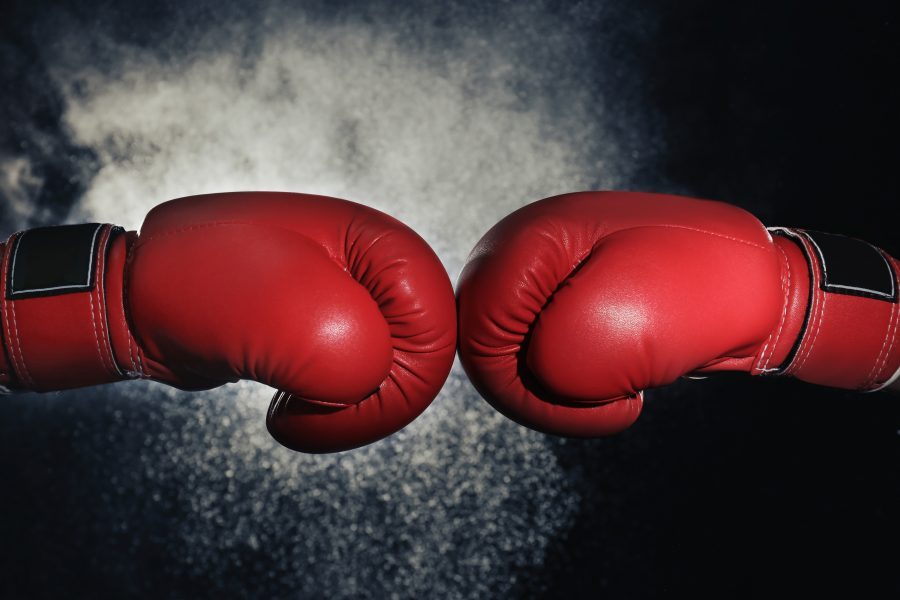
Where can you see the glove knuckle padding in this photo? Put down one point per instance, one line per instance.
(293, 318)
(343, 308)
(571, 306)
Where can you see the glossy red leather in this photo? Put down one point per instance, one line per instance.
(572, 306)
(344, 308)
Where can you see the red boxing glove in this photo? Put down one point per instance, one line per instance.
(343, 307)
(571, 306)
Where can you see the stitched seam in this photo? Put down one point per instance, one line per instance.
(713, 233)
(101, 304)
(337, 260)
(103, 361)
(133, 350)
(7, 323)
(785, 287)
(3, 301)
(96, 335)
(140, 360)
(820, 317)
(26, 376)
(94, 325)
(763, 361)
(130, 348)
(892, 329)
(187, 228)
(887, 354)
(124, 320)
(815, 301)
(759, 366)
(125, 306)
(786, 282)
(812, 309)
(882, 355)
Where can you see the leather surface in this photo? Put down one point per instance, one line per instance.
(344, 308)
(572, 306)
(6, 373)
(341, 306)
(851, 341)
(59, 340)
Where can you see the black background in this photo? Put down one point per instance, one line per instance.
(733, 486)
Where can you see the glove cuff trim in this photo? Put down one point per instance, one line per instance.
(849, 333)
(54, 313)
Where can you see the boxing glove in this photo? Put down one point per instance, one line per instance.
(344, 309)
(572, 306)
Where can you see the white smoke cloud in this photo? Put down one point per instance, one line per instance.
(440, 140)
(18, 187)
(448, 138)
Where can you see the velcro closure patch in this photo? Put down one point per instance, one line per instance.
(852, 266)
(50, 261)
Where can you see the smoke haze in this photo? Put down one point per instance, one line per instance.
(445, 126)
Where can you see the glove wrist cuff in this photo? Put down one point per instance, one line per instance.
(849, 333)
(53, 306)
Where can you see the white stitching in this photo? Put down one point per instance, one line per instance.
(787, 290)
(9, 335)
(101, 301)
(96, 335)
(130, 349)
(179, 230)
(786, 287)
(820, 317)
(107, 360)
(721, 235)
(140, 360)
(812, 313)
(139, 369)
(882, 355)
(96, 290)
(26, 376)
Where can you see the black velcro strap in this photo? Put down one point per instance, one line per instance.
(854, 267)
(49, 261)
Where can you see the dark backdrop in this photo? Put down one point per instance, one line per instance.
(733, 486)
